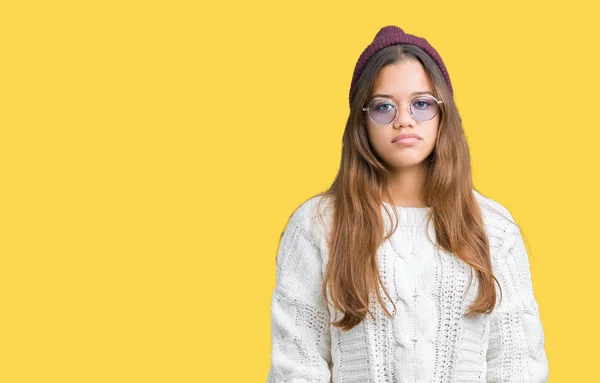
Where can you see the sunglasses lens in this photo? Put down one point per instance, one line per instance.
(382, 111)
(424, 108)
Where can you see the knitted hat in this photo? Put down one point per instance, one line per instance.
(391, 35)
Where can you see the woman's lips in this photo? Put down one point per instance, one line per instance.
(405, 136)
(407, 141)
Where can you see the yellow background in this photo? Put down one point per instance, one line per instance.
(152, 151)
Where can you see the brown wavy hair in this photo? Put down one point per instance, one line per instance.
(361, 184)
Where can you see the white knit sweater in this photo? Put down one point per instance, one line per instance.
(428, 339)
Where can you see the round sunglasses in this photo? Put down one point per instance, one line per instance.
(384, 110)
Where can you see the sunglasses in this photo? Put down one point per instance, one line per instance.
(383, 110)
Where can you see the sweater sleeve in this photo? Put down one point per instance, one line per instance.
(300, 334)
(516, 349)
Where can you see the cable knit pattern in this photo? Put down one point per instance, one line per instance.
(428, 339)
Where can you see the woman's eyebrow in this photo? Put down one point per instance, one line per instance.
(390, 96)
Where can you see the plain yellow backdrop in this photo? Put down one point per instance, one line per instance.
(152, 151)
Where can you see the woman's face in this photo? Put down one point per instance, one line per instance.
(401, 82)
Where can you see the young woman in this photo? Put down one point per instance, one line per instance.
(401, 271)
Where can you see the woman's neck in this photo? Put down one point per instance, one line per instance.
(407, 187)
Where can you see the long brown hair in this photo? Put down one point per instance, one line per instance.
(358, 190)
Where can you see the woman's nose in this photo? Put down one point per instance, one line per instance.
(404, 118)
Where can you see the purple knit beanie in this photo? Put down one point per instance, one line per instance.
(391, 35)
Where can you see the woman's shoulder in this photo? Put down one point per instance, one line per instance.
(493, 211)
(500, 226)
(313, 215)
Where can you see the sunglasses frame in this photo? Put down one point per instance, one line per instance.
(366, 109)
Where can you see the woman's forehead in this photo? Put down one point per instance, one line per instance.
(403, 79)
